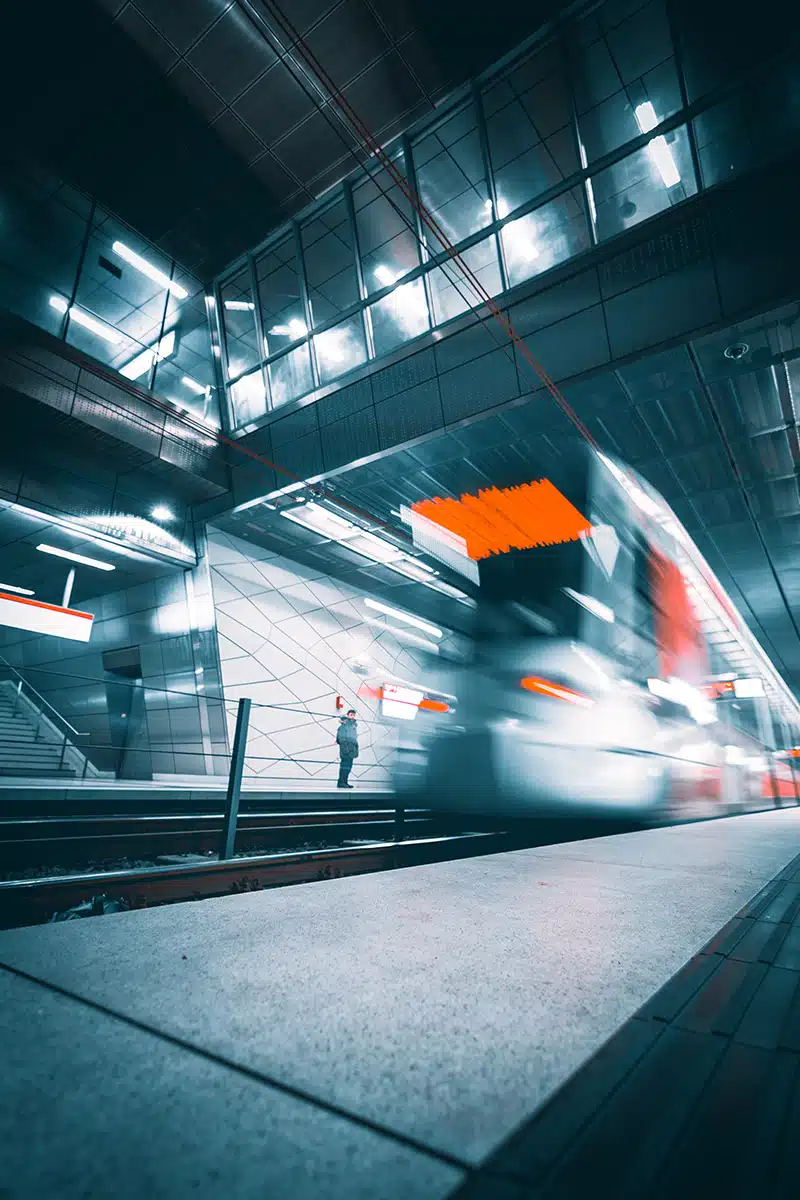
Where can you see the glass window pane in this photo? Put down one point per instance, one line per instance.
(400, 316)
(290, 376)
(184, 371)
(528, 125)
(643, 184)
(749, 127)
(239, 323)
(340, 349)
(330, 263)
(248, 398)
(42, 228)
(625, 79)
(452, 294)
(282, 313)
(119, 308)
(451, 180)
(387, 240)
(538, 241)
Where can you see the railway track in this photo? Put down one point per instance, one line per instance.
(33, 901)
(44, 842)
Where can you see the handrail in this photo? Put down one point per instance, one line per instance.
(40, 698)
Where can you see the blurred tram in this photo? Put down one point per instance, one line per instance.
(606, 674)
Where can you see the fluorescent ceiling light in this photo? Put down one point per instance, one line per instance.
(9, 587)
(646, 116)
(413, 568)
(78, 558)
(332, 518)
(518, 240)
(402, 634)
(658, 149)
(162, 513)
(406, 618)
(144, 361)
(148, 269)
(320, 520)
(239, 305)
(447, 589)
(295, 328)
(201, 389)
(82, 318)
(595, 607)
(374, 548)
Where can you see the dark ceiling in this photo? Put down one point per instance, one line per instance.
(22, 565)
(718, 437)
(186, 119)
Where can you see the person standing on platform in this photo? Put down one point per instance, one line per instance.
(347, 739)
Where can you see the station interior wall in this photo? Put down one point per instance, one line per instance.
(171, 621)
(293, 639)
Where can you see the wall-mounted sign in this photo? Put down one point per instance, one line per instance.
(19, 613)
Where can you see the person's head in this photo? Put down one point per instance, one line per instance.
(351, 713)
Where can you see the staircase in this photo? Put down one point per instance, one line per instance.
(24, 752)
(35, 740)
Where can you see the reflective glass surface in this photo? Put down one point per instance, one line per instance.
(643, 184)
(545, 237)
(387, 240)
(183, 365)
(624, 76)
(290, 376)
(239, 323)
(330, 263)
(528, 126)
(750, 125)
(119, 309)
(248, 398)
(452, 294)
(43, 224)
(400, 316)
(451, 180)
(340, 349)
(282, 313)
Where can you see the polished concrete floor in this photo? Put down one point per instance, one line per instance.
(376, 1036)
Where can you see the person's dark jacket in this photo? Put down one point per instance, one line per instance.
(347, 737)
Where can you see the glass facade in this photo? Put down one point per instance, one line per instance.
(572, 142)
(76, 271)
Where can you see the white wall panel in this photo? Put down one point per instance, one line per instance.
(301, 631)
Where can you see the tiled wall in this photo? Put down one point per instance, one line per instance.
(171, 621)
(290, 638)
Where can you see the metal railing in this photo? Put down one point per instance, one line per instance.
(43, 710)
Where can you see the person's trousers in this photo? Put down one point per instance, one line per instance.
(345, 767)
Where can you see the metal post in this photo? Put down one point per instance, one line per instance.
(235, 779)
(399, 822)
(65, 599)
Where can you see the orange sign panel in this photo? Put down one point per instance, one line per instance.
(501, 519)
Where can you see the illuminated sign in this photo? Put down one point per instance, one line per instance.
(501, 519)
(36, 617)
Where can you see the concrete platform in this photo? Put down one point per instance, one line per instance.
(374, 1036)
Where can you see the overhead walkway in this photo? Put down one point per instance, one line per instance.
(506, 1026)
